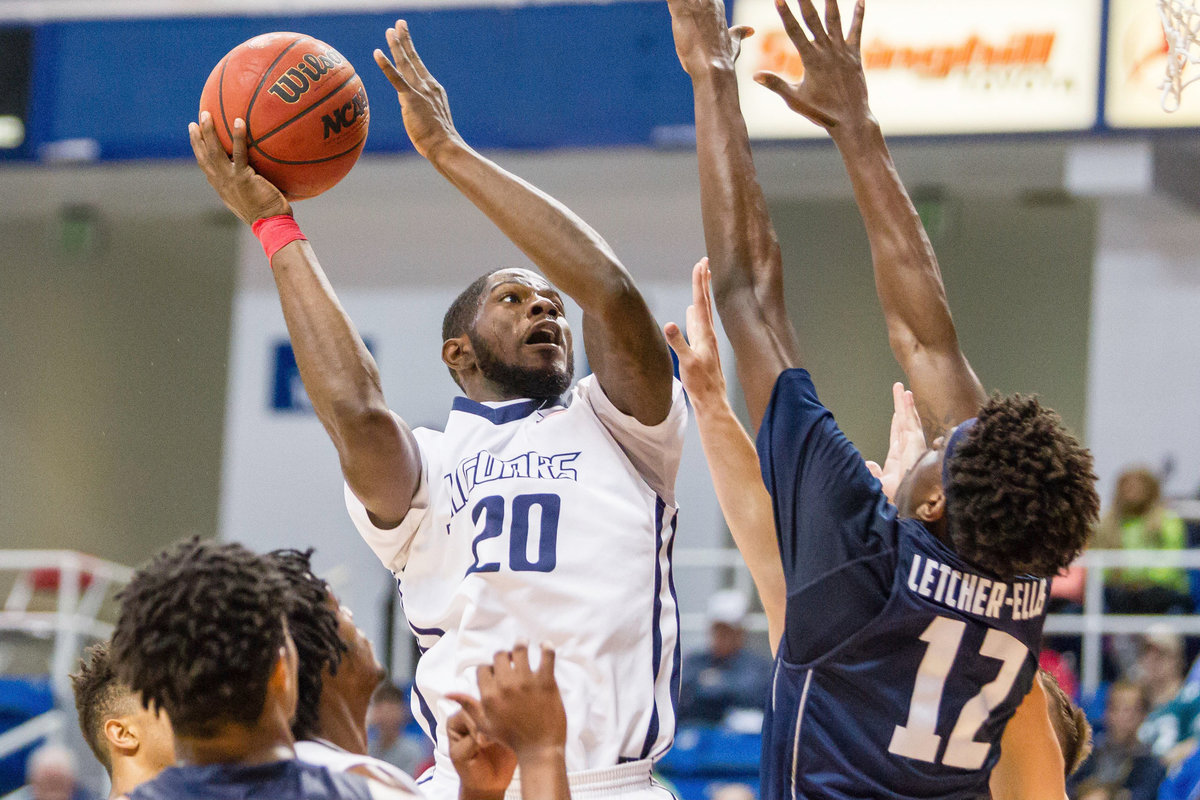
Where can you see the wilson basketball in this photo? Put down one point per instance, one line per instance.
(305, 109)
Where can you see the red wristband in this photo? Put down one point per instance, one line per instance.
(275, 232)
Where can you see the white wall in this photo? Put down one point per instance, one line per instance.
(1144, 392)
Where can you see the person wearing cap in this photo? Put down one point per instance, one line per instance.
(727, 676)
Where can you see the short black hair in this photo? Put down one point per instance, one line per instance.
(199, 632)
(1021, 496)
(460, 317)
(313, 624)
(99, 697)
(1070, 724)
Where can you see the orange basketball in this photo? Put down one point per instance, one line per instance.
(304, 105)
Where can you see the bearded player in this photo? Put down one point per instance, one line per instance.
(911, 630)
(527, 517)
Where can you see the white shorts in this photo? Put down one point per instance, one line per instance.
(631, 781)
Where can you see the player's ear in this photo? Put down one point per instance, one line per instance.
(121, 735)
(457, 353)
(933, 507)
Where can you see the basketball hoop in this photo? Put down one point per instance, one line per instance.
(1181, 26)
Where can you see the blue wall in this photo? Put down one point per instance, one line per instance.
(531, 77)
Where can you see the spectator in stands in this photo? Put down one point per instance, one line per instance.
(50, 774)
(1172, 727)
(387, 736)
(1160, 665)
(1119, 758)
(728, 676)
(1139, 520)
(131, 742)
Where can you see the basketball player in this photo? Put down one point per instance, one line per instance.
(901, 661)
(1048, 736)
(203, 635)
(337, 673)
(522, 504)
(133, 743)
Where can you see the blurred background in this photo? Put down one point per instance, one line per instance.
(148, 391)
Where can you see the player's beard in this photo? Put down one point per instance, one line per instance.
(537, 383)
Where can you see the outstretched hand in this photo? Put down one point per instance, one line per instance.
(699, 354)
(833, 91)
(702, 37)
(484, 765)
(906, 444)
(423, 101)
(246, 193)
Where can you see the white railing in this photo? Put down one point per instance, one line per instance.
(1092, 625)
(82, 584)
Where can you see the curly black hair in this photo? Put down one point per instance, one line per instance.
(313, 624)
(1021, 496)
(460, 316)
(99, 697)
(199, 632)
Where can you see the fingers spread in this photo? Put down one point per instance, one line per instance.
(775, 83)
(833, 21)
(856, 23)
(813, 20)
(792, 27)
(547, 665)
(520, 658)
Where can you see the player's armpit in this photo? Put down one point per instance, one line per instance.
(1031, 763)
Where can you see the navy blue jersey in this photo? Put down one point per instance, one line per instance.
(900, 663)
(278, 780)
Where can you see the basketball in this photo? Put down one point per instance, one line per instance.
(304, 105)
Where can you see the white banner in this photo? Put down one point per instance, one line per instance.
(1137, 64)
(944, 66)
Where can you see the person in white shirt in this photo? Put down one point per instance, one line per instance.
(526, 518)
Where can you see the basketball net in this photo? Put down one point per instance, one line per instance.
(1181, 25)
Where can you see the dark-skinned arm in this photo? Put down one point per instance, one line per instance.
(833, 94)
(522, 709)
(625, 348)
(378, 454)
(743, 252)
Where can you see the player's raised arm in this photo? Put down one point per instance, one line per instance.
(833, 94)
(625, 348)
(731, 457)
(378, 453)
(743, 252)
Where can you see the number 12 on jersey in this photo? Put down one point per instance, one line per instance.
(916, 738)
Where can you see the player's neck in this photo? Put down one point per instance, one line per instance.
(483, 390)
(343, 721)
(236, 744)
(128, 773)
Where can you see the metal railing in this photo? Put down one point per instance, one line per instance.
(78, 588)
(1092, 625)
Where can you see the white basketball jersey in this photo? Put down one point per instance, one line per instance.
(336, 759)
(546, 525)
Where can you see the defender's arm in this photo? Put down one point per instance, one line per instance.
(833, 94)
(742, 249)
(625, 347)
(731, 457)
(378, 453)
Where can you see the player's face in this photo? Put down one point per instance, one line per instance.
(521, 338)
(359, 671)
(922, 481)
